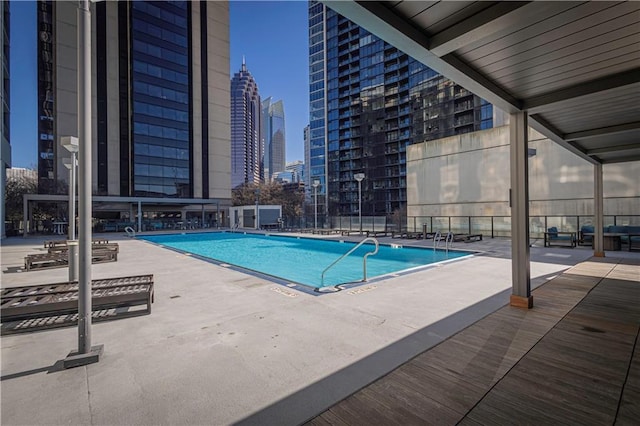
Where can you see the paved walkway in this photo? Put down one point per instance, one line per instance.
(222, 346)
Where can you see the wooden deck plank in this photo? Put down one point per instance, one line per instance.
(572, 359)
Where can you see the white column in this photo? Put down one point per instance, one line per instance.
(520, 268)
(598, 212)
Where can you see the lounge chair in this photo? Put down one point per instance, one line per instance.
(41, 301)
(553, 237)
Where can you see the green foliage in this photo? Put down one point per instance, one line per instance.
(15, 189)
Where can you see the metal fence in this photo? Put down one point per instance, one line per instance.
(500, 226)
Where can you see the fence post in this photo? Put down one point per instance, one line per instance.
(491, 226)
(449, 223)
(469, 225)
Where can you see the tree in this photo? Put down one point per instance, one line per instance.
(272, 193)
(14, 190)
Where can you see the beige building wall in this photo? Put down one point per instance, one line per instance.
(468, 175)
(196, 82)
(113, 101)
(219, 100)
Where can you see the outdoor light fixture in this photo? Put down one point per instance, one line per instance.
(316, 184)
(359, 177)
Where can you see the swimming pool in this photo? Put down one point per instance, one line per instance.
(302, 260)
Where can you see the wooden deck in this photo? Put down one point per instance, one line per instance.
(573, 359)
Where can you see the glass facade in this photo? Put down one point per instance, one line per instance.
(46, 101)
(317, 102)
(274, 137)
(377, 101)
(246, 130)
(160, 99)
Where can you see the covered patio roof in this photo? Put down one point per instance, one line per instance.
(574, 67)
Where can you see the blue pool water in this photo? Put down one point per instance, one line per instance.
(302, 260)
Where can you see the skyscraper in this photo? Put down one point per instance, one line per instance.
(5, 153)
(368, 101)
(160, 97)
(246, 129)
(273, 132)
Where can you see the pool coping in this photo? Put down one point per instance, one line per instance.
(306, 288)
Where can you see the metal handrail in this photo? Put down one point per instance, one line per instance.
(436, 239)
(364, 259)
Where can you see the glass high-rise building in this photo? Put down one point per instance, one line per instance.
(5, 153)
(273, 132)
(246, 129)
(160, 97)
(368, 102)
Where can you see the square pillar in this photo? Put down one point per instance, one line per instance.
(520, 268)
(598, 212)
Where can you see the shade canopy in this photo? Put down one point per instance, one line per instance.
(573, 66)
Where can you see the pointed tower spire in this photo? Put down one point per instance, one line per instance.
(244, 64)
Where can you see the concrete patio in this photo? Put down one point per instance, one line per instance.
(223, 347)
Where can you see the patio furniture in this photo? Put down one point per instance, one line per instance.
(467, 238)
(41, 301)
(553, 237)
(58, 257)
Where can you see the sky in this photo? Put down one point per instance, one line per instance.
(272, 35)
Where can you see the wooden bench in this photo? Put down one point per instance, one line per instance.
(63, 243)
(347, 232)
(39, 301)
(467, 238)
(59, 257)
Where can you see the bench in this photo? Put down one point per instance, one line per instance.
(94, 246)
(59, 258)
(558, 238)
(40, 301)
(347, 232)
(63, 243)
(467, 238)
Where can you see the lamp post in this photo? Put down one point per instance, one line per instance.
(316, 184)
(257, 208)
(359, 177)
(86, 354)
(70, 143)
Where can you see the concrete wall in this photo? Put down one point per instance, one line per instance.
(468, 175)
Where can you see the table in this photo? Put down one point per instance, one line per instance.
(611, 240)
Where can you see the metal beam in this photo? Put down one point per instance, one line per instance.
(611, 130)
(497, 18)
(380, 20)
(612, 149)
(625, 159)
(540, 103)
(548, 130)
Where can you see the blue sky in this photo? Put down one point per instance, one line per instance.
(273, 36)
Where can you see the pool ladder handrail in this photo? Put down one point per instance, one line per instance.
(448, 240)
(364, 259)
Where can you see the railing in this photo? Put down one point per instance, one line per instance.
(500, 226)
(364, 259)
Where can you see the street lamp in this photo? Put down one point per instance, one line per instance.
(86, 353)
(316, 184)
(257, 208)
(359, 177)
(70, 143)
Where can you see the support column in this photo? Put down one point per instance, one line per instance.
(519, 199)
(598, 212)
(139, 216)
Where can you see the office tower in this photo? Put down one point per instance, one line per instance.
(274, 137)
(307, 148)
(5, 155)
(160, 97)
(368, 101)
(297, 170)
(246, 129)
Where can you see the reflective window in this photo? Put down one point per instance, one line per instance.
(160, 99)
